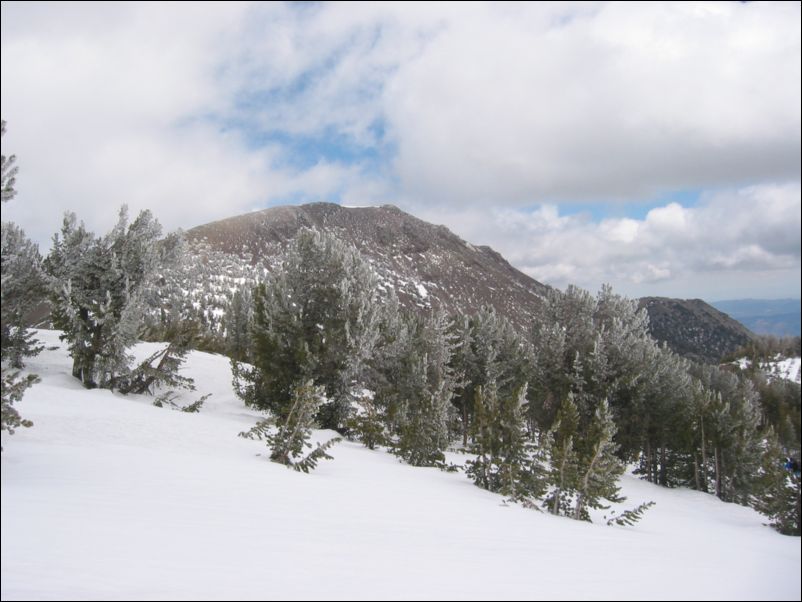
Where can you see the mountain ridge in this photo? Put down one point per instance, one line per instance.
(430, 267)
(427, 265)
(695, 329)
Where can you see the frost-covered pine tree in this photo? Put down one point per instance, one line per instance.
(288, 441)
(23, 287)
(506, 461)
(563, 458)
(237, 324)
(97, 293)
(779, 495)
(599, 468)
(424, 387)
(487, 349)
(315, 318)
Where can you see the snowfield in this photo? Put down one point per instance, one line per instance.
(110, 498)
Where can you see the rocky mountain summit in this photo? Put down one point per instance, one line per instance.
(428, 266)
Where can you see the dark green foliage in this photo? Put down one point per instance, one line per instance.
(167, 399)
(599, 468)
(319, 453)
(258, 431)
(294, 430)
(161, 368)
(314, 319)
(419, 388)
(487, 349)
(98, 290)
(13, 388)
(237, 324)
(630, 517)
(564, 459)
(779, 493)
(367, 422)
(292, 434)
(506, 461)
(23, 287)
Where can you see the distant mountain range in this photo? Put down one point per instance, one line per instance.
(778, 317)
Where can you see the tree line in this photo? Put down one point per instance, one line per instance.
(550, 415)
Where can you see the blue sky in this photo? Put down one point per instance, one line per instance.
(652, 146)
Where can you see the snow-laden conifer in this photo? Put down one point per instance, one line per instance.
(315, 318)
(98, 288)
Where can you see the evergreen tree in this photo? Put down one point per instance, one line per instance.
(779, 496)
(599, 469)
(161, 368)
(564, 459)
(237, 324)
(487, 349)
(97, 293)
(13, 388)
(506, 461)
(287, 443)
(315, 318)
(424, 389)
(23, 287)
(367, 423)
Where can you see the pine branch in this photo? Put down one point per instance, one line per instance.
(630, 517)
(319, 453)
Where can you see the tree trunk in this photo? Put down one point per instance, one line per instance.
(464, 423)
(718, 472)
(704, 458)
(649, 463)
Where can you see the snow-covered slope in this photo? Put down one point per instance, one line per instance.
(786, 368)
(108, 497)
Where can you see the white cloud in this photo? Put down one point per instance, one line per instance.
(465, 113)
(622, 102)
(731, 236)
(117, 104)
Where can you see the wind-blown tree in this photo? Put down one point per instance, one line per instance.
(97, 293)
(599, 468)
(506, 461)
(314, 319)
(563, 334)
(420, 390)
(733, 439)
(287, 443)
(487, 349)
(779, 496)
(21, 287)
(564, 459)
(237, 324)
